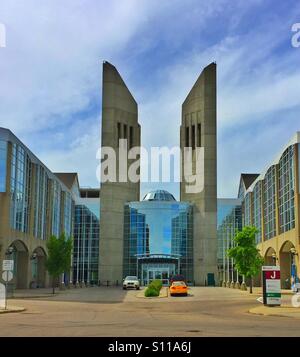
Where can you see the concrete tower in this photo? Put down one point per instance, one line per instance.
(119, 121)
(198, 129)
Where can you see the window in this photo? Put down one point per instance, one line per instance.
(125, 131)
(158, 228)
(193, 137)
(3, 162)
(20, 189)
(257, 210)
(286, 191)
(199, 134)
(86, 242)
(247, 210)
(130, 137)
(56, 208)
(40, 204)
(269, 203)
(187, 137)
(119, 132)
(67, 214)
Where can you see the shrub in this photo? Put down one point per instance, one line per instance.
(150, 291)
(153, 288)
(156, 284)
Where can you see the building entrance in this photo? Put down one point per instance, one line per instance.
(161, 272)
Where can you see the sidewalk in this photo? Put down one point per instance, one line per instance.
(284, 311)
(258, 291)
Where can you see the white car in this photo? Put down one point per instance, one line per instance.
(131, 282)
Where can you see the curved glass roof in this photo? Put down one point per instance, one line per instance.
(159, 195)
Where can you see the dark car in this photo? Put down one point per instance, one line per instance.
(177, 277)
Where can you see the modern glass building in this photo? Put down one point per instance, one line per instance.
(158, 238)
(229, 222)
(86, 238)
(34, 204)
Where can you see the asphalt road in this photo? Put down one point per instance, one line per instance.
(114, 312)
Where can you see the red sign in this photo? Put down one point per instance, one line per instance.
(275, 274)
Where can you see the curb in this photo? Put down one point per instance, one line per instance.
(32, 297)
(286, 311)
(161, 295)
(12, 310)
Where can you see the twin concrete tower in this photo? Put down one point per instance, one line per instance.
(198, 129)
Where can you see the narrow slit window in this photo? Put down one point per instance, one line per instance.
(187, 137)
(131, 137)
(119, 132)
(125, 131)
(193, 136)
(199, 134)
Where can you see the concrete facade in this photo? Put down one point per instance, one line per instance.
(119, 121)
(198, 129)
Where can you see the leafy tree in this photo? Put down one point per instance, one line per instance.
(59, 256)
(245, 254)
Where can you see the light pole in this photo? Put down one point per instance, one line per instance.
(237, 283)
(243, 285)
(10, 251)
(236, 229)
(89, 252)
(224, 257)
(228, 259)
(232, 226)
(77, 263)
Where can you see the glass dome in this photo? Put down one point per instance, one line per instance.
(159, 195)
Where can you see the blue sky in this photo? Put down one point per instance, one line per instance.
(50, 76)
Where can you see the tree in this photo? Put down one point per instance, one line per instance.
(59, 256)
(245, 254)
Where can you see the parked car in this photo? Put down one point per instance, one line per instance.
(131, 282)
(177, 277)
(178, 288)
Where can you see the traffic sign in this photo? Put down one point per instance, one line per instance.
(2, 296)
(260, 299)
(271, 285)
(8, 265)
(7, 275)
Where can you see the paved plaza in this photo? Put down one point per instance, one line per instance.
(114, 312)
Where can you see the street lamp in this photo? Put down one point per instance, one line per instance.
(9, 250)
(274, 257)
(34, 256)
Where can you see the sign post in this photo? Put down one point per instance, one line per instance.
(271, 285)
(7, 275)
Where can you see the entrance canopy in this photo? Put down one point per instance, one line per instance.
(157, 266)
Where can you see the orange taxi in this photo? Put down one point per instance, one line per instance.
(178, 288)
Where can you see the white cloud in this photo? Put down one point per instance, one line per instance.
(50, 74)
